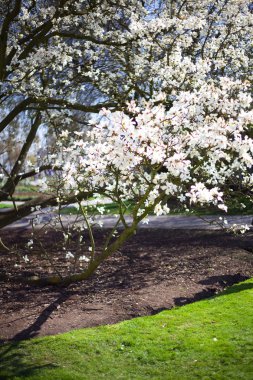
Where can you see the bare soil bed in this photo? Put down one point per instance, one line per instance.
(155, 270)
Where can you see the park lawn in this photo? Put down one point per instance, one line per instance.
(109, 209)
(211, 339)
(6, 205)
(234, 208)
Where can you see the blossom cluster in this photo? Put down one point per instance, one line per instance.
(149, 154)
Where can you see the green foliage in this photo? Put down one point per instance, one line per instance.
(211, 339)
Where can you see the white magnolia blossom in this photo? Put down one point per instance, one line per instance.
(69, 255)
(62, 58)
(84, 258)
(189, 151)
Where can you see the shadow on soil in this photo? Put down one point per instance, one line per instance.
(33, 330)
(224, 281)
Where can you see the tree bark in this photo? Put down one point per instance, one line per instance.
(12, 215)
(11, 183)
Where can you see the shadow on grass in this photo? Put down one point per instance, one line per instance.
(14, 365)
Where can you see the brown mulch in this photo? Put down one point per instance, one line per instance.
(156, 270)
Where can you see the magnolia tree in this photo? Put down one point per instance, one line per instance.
(61, 60)
(175, 80)
(186, 152)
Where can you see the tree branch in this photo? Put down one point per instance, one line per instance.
(12, 114)
(86, 38)
(32, 173)
(36, 40)
(4, 36)
(75, 106)
(9, 216)
(12, 181)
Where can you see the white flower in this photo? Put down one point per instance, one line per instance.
(242, 228)
(101, 210)
(64, 134)
(69, 255)
(84, 258)
(100, 223)
(223, 207)
(30, 243)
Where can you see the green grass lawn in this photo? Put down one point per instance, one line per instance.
(5, 205)
(26, 192)
(112, 208)
(109, 209)
(211, 339)
(238, 205)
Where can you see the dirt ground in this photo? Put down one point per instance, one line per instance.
(156, 270)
